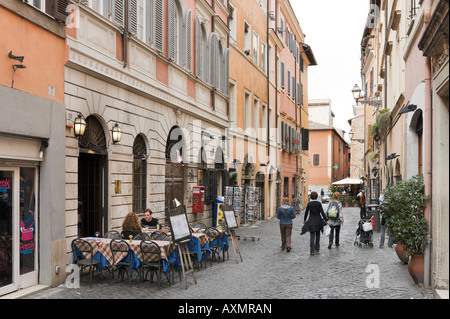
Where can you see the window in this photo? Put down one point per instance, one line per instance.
(286, 187)
(40, 4)
(264, 57)
(233, 22)
(139, 175)
(316, 159)
(256, 48)
(247, 39)
(201, 52)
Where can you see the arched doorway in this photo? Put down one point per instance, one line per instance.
(174, 180)
(92, 180)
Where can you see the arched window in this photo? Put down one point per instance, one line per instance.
(139, 175)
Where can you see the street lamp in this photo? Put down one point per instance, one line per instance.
(357, 95)
(351, 135)
(79, 126)
(116, 134)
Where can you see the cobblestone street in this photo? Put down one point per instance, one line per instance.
(269, 273)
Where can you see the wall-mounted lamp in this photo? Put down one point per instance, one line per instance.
(351, 135)
(79, 126)
(15, 57)
(407, 109)
(271, 15)
(392, 156)
(116, 133)
(41, 150)
(207, 135)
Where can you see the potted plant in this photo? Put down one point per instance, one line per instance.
(373, 155)
(354, 202)
(404, 205)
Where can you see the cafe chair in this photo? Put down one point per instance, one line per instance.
(201, 227)
(122, 259)
(214, 244)
(159, 235)
(151, 260)
(142, 236)
(112, 234)
(83, 256)
(126, 233)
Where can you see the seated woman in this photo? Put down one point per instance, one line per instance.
(130, 225)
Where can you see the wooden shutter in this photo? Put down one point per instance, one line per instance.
(305, 139)
(289, 83)
(213, 59)
(158, 25)
(198, 49)
(57, 9)
(189, 40)
(148, 22)
(227, 73)
(282, 75)
(298, 93)
(118, 12)
(132, 17)
(172, 30)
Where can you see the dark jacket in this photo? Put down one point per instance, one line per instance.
(317, 217)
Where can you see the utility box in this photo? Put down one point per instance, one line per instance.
(198, 199)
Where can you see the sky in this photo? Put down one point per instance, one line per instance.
(334, 31)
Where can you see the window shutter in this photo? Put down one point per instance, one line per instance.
(298, 93)
(305, 139)
(289, 83)
(158, 25)
(282, 75)
(282, 134)
(291, 136)
(57, 9)
(148, 22)
(198, 49)
(172, 31)
(293, 88)
(118, 12)
(132, 17)
(227, 73)
(213, 58)
(189, 40)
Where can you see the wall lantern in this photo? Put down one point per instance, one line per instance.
(116, 134)
(79, 126)
(356, 92)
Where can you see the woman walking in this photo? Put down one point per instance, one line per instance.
(314, 224)
(335, 219)
(286, 214)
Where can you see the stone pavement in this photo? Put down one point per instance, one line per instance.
(266, 272)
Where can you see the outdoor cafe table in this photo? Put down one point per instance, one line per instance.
(102, 252)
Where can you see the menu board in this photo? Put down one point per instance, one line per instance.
(180, 227)
(230, 218)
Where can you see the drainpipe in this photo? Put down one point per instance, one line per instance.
(428, 146)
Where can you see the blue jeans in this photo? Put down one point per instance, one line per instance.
(390, 239)
(314, 242)
(362, 212)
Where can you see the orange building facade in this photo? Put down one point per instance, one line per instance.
(32, 147)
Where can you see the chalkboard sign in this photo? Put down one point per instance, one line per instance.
(230, 218)
(179, 227)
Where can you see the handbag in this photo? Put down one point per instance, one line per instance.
(327, 230)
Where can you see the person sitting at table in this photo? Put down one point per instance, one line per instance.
(148, 220)
(131, 223)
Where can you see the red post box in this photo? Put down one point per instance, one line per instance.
(198, 205)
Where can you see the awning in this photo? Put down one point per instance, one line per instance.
(349, 181)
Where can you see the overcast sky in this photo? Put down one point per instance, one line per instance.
(334, 31)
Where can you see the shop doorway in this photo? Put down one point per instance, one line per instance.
(18, 228)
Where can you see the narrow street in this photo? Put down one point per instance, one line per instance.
(269, 273)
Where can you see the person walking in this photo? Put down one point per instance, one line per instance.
(335, 219)
(314, 224)
(362, 204)
(286, 214)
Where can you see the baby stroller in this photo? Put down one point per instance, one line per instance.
(364, 233)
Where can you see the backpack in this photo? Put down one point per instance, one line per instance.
(333, 211)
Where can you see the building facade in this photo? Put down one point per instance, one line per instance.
(157, 69)
(411, 121)
(32, 146)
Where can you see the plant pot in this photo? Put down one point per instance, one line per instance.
(401, 253)
(355, 205)
(415, 268)
(347, 204)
